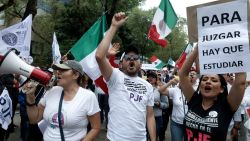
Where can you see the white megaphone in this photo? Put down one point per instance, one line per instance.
(10, 63)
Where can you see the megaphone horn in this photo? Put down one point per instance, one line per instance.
(10, 63)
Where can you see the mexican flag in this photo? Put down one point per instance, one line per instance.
(171, 62)
(184, 55)
(163, 22)
(157, 62)
(84, 51)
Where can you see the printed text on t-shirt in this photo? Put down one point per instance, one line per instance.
(137, 90)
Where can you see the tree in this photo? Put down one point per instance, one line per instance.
(7, 5)
(71, 19)
(79, 16)
(177, 40)
(138, 26)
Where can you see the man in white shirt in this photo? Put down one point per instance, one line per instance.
(130, 97)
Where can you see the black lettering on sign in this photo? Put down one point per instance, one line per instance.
(223, 65)
(209, 52)
(221, 36)
(220, 19)
(233, 49)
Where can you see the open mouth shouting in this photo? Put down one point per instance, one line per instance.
(131, 65)
(208, 89)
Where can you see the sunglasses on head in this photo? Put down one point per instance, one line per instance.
(131, 57)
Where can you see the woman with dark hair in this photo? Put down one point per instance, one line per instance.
(211, 107)
(69, 102)
(160, 101)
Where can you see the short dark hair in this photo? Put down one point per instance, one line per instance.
(152, 74)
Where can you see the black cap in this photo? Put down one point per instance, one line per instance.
(131, 49)
(152, 74)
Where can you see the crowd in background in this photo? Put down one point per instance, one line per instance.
(169, 108)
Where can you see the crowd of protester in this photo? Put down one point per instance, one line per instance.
(182, 98)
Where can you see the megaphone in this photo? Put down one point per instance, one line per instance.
(10, 63)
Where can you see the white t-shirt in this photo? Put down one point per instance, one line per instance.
(74, 114)
(128, 101)
(178, 108)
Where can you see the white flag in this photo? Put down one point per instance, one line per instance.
(55, 50)
(17, 36)
(5, 109)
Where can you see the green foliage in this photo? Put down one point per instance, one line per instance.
(73, 19)
(177, 40)
(41, 50)
(138, 25)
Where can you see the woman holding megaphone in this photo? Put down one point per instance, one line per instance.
(72, 104)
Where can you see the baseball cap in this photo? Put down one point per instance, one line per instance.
(69, 64)
(131, 49)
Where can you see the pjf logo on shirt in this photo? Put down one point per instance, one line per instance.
(135, 97)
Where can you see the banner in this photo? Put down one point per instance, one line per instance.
(17, 36)
(5, 109)
(149, 67)
(223, 38)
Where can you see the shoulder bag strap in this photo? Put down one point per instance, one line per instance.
(59, 116)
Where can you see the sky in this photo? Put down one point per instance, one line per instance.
(178, 5)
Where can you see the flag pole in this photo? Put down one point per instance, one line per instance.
(65, 57)
(67, 53)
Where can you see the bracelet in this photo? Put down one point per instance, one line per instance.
(32, 104)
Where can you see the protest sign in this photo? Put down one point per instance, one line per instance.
(223, 38)
(192, 18)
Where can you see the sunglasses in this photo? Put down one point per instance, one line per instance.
(131, 57)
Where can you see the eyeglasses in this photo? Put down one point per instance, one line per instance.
(230, 75)
(131, 57)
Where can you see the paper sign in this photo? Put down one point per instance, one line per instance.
(192, 19)
(223, 38)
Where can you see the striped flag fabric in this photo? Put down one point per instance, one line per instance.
(163, 23)
(85, 48)
(171, 62)
(184, 55)
(157, 62)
